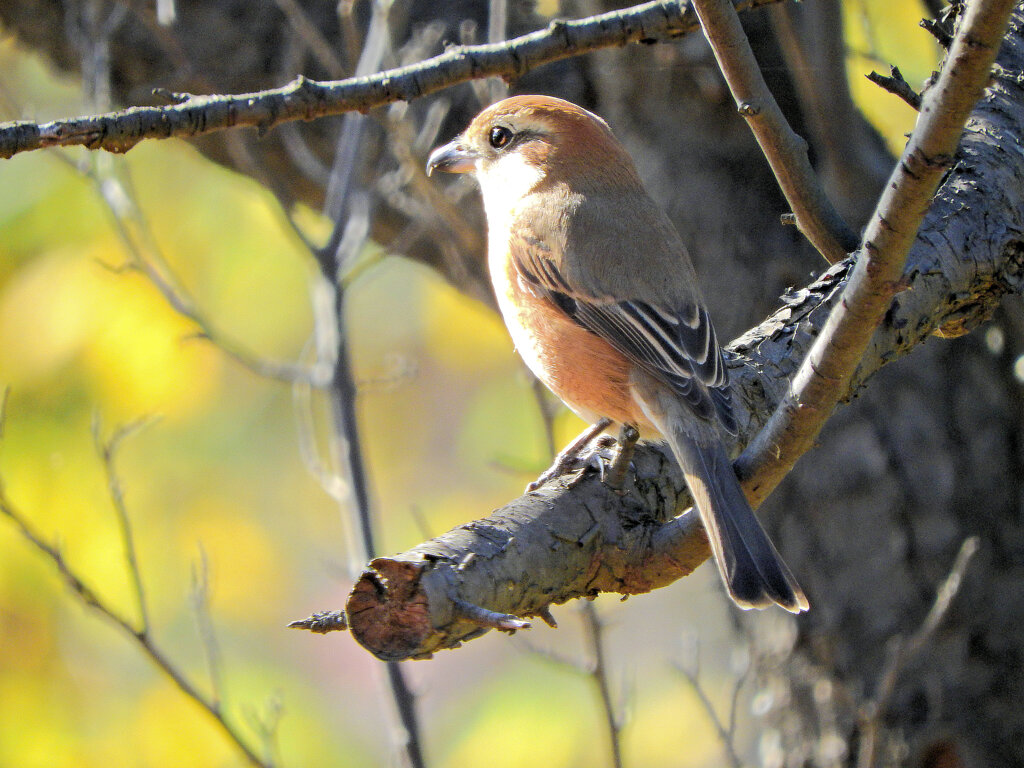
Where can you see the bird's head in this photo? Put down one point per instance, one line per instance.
(523, 143)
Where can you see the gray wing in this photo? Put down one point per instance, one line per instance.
(676, 345)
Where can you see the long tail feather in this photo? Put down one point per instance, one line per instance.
(751, 567)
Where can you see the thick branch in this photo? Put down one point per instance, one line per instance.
(571, 540)
(305, 99)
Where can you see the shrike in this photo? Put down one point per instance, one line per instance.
(601, 300)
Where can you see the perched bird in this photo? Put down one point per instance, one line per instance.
(601, 300)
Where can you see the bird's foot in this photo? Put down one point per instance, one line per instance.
(617, 468)
(572, 455)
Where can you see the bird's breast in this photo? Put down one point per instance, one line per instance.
(581, 368)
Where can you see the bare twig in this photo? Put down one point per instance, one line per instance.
(725, 734)
(593, 626)
(896, 85)
(489, 619)
(594, 632)
(312, 37)
(352, 44)
(305, 99)
(204, 623)
(852, 159)
(903, 650)
(937, 30)
(301, 155)
(546, 408)
(266, 724)
(145, 256)
(322, 622)
(107, 450)
(349, 208)
(328, 477)
(140, 635)
(786, 152)
(165, 12)
(824, 375)
(424, 201)
(497, 22)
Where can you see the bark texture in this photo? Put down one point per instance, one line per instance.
(927, 455)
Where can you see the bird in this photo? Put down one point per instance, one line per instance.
(601, 301)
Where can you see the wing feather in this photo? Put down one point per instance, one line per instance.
(677, 345)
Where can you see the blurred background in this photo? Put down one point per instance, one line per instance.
(217, 481)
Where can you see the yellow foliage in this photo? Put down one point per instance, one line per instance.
(248, 574)
(166, 730)
(517, 728)
(465, 336)
(879, 34)
(45, 736)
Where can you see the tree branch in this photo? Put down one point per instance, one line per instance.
(572, 539)
(305, 99)
(877, 275)
(786, 152)
(852, 160)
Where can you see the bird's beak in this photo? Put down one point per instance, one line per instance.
(453, 157)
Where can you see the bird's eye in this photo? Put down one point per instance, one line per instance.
(500, 136)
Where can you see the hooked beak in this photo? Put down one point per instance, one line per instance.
(453, 157)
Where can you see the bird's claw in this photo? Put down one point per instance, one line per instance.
(574, 454)
(600, 455)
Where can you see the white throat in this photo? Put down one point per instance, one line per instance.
(506, 181)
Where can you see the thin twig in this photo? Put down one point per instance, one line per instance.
(107, 450)
(594, 633)
(144, 256)
(140, 636)
(349, 208)
(853, 161)
(305, 99)
(903, 651)
(485, 618)
(896, 85)
(204, 624)
(312, 37)
(691, 673)
(322, 622)
(593, 626)
(267, 725)
(937, 30)
(786, 152)
(408, 149)
(546, 407)
(824, 375)
(351, 43)
(497, 23)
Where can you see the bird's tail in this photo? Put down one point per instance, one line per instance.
(751, 567)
